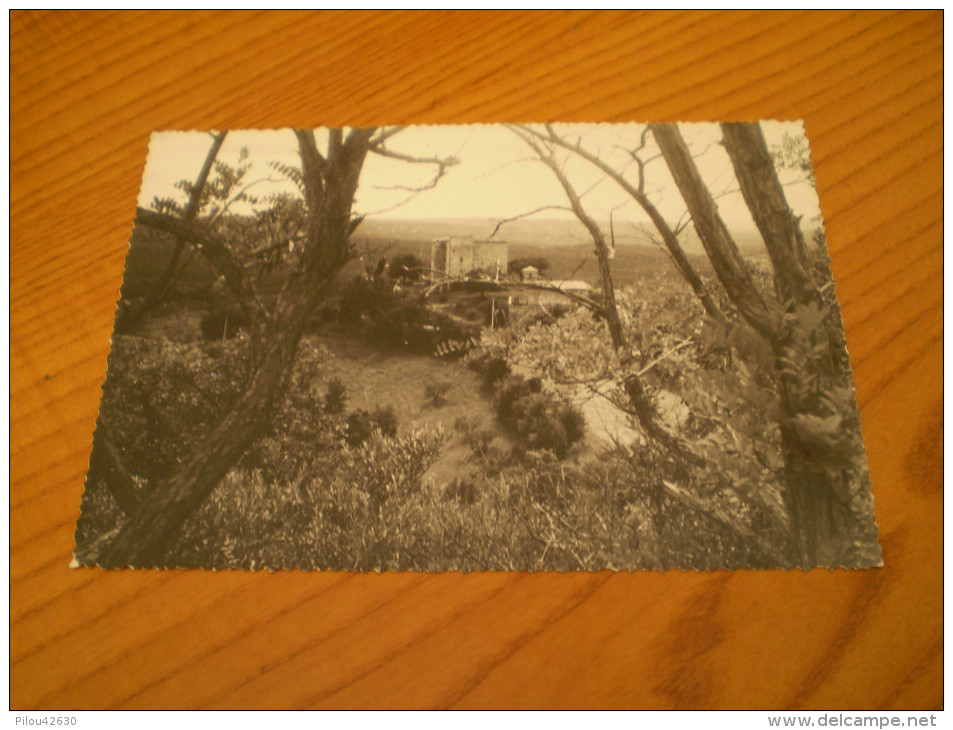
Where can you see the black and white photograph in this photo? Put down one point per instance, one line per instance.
(498, 347)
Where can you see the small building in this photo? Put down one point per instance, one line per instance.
(529, 273)
(455, 257)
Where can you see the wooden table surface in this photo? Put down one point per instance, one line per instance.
(86, 89)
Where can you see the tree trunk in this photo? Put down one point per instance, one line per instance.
(721, 248)
(779, 227)
(106, 464)
(824, 469)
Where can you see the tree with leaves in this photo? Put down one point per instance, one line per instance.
(328, 179)
(827, 488)
(825, 484)
(406, 267)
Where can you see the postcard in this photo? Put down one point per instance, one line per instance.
(506, 347)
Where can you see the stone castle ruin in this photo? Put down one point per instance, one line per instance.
(456, 257)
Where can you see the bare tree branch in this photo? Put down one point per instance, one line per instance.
(664, 356)
(384, 135)
(669, 236)
(443, 162)
(501, 223)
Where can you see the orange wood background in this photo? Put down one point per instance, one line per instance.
(86, 90)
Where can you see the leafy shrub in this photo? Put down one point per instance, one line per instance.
(537, 418)
(494, 370)
(361, 424)
(539, 424)
(406, 267)
(435, 394)
(574, 423)
(160, 397)
(462, 490)
(336, 397)
(512, 389)
(362, 297)
(359, 428)
(388, 320)
(403, 326)
(385, 419)
(300, 426)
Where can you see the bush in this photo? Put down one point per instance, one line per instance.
(403, 326)
(435, 394)
(160, 396)
(355, 509)
(361, 424)
(512, 389)
(336, 397)
(494, 370)
(574, 423)
(461, 489)
(536, 418)
(406, 267)
(389, 320)
(539, 426)
(361, 297)
(359, 428)
(385, 419)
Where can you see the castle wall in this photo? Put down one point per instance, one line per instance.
(457, 257)
(487, 255)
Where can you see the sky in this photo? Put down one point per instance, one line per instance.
(497, 175)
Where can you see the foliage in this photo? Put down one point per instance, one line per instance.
(226, 186)
(163, 395)
(537, 418)
(371, 508)
(320, 501)
(491, 369)
(364, 297)
(369, 306)
(348, 510)
(361, 424)
(435, 394)
(406, 267)
(794, 153)
(714, 386)
(336, 396)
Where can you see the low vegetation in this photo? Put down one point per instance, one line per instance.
(333, 486)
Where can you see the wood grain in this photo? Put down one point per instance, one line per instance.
(86, 90)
